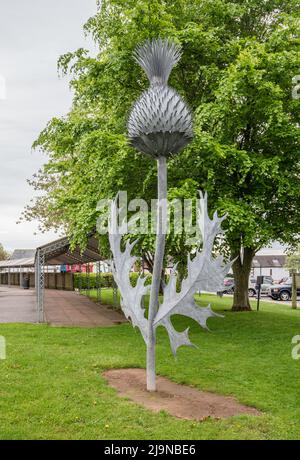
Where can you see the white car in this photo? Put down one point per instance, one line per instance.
(264, 289)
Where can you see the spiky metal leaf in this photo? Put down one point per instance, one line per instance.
(123, 261)
(177, 339)
(160, 123)
(205, 273)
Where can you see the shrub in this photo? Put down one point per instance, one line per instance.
(83, 281)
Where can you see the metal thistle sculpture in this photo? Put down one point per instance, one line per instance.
(160, 125)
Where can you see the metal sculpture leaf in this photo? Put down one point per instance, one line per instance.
(122, 263)
(205, 273)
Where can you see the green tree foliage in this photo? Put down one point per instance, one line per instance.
(239, 59)
(3, 253)
(293, 260)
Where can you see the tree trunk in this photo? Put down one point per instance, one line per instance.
(241, 272)
(162, 282)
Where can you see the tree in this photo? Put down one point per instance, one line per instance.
(4, 255)
(239, 60)
(293, 265)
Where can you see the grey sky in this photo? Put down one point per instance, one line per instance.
(33, 34)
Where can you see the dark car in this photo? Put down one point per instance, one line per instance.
(282, 291)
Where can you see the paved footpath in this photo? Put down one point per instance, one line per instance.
(62, 308)
(17, 305)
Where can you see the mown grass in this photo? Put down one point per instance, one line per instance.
(51, 385)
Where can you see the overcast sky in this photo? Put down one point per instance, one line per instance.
(33, 34)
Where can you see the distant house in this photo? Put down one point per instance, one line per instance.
(269, 261)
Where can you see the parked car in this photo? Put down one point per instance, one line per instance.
(264, 288)
(253, 288)
(282, 291)
(228, 285)
(228, 280)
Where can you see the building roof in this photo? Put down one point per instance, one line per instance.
(22, 254)
(269, 258)
(17, 263)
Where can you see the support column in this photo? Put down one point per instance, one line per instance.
(98, 265)
(40, 285)
(21, 277)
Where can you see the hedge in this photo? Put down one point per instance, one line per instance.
(84, 281)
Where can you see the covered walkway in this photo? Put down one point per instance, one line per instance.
(56, 253)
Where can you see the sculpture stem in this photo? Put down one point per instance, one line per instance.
(157, 269)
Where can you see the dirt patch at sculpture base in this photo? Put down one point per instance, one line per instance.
(178, 400)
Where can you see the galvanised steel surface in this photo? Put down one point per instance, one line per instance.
(160, 123)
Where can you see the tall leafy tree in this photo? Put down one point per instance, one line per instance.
(239, 60)
(3, 253)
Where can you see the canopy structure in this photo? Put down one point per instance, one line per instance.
(57, 252)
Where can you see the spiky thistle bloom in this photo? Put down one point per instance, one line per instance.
(160, 123)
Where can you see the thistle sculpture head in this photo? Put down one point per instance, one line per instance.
(160, 123)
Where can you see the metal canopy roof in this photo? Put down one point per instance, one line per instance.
(58, 252)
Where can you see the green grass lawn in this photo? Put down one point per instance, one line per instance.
(51, 385)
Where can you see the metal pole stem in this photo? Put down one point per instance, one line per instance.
(157, 270)
(258, 297)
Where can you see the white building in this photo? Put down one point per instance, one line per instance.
(270, 261)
